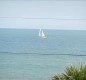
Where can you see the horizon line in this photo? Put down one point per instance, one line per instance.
(46, 29)
(42, 0)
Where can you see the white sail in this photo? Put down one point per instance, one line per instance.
(41, 34)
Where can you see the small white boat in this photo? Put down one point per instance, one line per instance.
(41, 34)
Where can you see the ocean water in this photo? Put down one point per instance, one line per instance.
(25, 56)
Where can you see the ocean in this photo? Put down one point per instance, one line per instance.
(26, 56)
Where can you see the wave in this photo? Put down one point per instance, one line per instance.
(41, 53)
(67, 54)
(19, 52)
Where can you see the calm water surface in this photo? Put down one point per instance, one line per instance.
(25, 56)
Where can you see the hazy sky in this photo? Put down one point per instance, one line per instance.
(56, 14)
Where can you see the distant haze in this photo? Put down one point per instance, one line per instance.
(45, 14)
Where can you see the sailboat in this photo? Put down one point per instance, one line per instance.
(41, 34)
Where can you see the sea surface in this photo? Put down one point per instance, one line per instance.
(26, 56)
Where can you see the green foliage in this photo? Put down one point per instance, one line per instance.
(72, 73)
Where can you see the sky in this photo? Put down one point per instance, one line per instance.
(48, 14)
